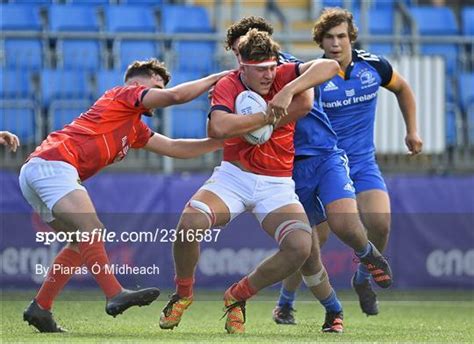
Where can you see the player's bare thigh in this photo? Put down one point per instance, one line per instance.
(278, 216)
(214, 202)
(373, 201)
(77, 212)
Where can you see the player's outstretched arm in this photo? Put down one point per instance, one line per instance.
(10, 140)
(407, 104)
(183, 93)
(300, 106)
(312, 73)
(181, 148)
(224, 125)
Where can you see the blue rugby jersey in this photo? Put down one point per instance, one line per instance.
(314, 135)
(350, 102)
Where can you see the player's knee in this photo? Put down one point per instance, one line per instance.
(380, 225)
(295, 239)
(196, 215)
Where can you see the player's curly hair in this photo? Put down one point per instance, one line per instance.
(243, 26)
(331, 17)
(147, 68)
(258, 46)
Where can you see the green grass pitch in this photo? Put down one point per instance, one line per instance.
(442, 317)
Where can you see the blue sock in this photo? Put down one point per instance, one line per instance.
(332, 303)
(362, 274)
(365, 251)
(286, 297)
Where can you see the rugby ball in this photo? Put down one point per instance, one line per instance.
(249, 102)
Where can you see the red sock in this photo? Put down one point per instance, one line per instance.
(58, 276)
(184, 286)
(242, 290)
(95, 258)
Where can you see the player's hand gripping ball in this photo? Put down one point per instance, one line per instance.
(249, 102)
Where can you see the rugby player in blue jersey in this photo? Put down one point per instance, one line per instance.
(326, 166)
(349, 100)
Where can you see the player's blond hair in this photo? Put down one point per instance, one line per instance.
(258, 46)
(240, 28)
(331, 17)
(146, 68)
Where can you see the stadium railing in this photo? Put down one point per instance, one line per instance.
(454, 143)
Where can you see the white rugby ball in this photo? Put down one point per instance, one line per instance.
(249, 102)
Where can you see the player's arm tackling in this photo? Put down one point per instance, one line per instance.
(181, 148)
(224, 125)
(183, 93)
(312, 73)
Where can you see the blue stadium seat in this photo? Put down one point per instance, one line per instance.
(178, 18)
(190, 120)
(19, 117)
(448, 51)
(20, 17)
(62, 112)
(16, 84)
(380, 22)
(40, 2)
(23, 53)
(79, 54)
(107, 79)
(73, 18)
(195, 56)
(143, 2)
(130, 19)
(384, 49)
(466, 90)
(451, 128)
(467, 15)
(178, 77)
(64, 84)
(127, 51)
(90, 2)
(436, 21)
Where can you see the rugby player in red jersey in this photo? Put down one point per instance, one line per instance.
(51, 178)
(255, 178)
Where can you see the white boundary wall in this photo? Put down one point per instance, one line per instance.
(426, 76)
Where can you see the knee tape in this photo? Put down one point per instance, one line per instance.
(316, 279)
(289, 226)
(203, 208)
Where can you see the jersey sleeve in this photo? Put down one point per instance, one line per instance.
(385, 70)
(223, 96)
(132, 96)
(143, 134)
(287, 72)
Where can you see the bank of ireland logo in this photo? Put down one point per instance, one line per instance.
(350, 93)
(366, 78)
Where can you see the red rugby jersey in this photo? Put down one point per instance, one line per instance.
(274, 157)
(101, 135)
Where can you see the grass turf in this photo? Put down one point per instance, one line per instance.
(404, 317)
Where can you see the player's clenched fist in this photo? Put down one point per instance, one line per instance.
(10, 140)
